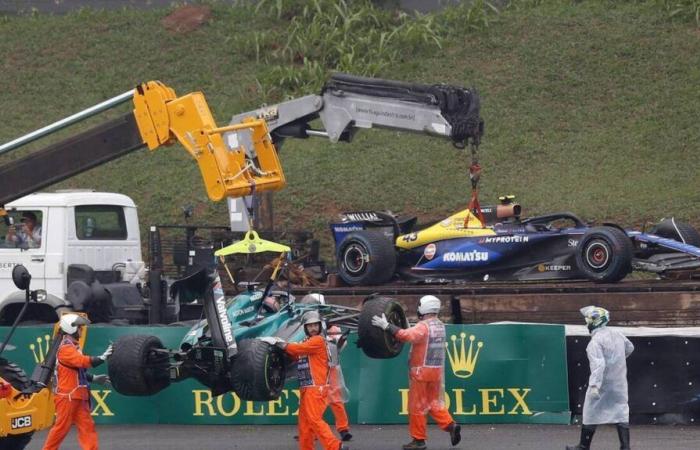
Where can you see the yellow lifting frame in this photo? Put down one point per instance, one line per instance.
(163, 118)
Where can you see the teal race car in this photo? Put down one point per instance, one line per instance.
(222, 351)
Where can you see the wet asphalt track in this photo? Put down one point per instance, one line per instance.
(373, 437)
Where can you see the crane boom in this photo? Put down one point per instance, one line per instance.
(159, 118)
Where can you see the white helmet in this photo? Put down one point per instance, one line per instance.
(70, 323)
(428, 304)
(314, 298)
(595, 316)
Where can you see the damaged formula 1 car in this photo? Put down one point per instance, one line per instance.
(222, 352)
(374, 247)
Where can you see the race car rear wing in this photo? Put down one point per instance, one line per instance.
(348, 103)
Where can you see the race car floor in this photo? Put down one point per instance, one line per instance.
(376, 437)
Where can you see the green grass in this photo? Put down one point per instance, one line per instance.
(590, 107)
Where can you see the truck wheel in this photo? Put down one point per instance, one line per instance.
(259, 371)
(136, 368)
(14, 375)
(365, 258)
(604, 254)
(375, 342)
(678, 231)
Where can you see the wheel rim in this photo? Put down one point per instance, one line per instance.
(355, 259)
(598, 255)
(394, 318)
(274, 375)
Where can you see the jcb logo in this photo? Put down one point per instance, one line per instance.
(21, 422)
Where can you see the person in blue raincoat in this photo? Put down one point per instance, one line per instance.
(606, 397)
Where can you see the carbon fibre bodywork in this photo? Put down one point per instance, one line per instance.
(547, 247)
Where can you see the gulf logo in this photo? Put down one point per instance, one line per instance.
(429, 251)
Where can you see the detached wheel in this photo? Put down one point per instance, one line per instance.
(259, 371)
(375, 342)
(604, 254)
(678, 231)
(14, 375)
(136, 367)
(365, 258)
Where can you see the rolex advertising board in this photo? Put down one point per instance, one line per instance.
(509, 373)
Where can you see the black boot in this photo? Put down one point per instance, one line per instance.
(587, 432)
(454, 429)
(415, 444)
(623, 432)
(345, 435)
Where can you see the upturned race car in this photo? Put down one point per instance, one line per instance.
(375, 247)
(222, 351)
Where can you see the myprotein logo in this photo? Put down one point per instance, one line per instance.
(21, 422)
(517, 239)
(462, 359)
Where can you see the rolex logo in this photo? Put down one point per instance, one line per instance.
(463, 360)
(41, 348)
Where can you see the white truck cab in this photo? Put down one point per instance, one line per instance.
(75, 231)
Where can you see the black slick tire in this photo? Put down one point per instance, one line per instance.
(604, 254)
(366, 258)
(375, 342)
(259, 371)
(135, 368)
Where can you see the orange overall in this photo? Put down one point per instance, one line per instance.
(427, 366)
(312, 370)
(72, 397)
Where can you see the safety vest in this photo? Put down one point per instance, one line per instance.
(435, 351)
(304, 375)
(427, 357)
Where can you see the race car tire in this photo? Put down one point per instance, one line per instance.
(375, 342)
(135, 368)
(14, 375)
(259, 371)
(678, 231)
(366, 258)
(604, 254)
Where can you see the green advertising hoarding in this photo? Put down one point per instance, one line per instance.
(510, 373)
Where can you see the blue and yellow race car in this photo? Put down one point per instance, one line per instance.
(376, 247)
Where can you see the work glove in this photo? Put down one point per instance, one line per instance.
(380, 322)
(594, 391)
(102, 380)
(272, 340)
(106, 354)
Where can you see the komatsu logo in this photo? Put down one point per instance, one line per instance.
(505, 239)
(361, 217)
(472, 256)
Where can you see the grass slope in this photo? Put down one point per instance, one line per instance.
(590, 107)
